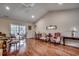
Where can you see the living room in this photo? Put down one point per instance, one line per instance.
(51, 31)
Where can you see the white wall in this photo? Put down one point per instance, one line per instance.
(5, 26)
(64, 20)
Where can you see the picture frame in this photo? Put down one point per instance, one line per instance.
(51, 27)
(29, 27)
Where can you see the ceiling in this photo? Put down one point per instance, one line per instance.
(25, 11)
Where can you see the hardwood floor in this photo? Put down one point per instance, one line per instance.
(33, 47)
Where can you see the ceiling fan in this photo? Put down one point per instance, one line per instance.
(28, 5)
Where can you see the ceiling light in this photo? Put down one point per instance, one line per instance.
(33, 16)
(7, 8)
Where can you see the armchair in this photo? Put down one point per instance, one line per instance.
(56, 38)
(43, 37)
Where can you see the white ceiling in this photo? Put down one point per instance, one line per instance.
(20, 12)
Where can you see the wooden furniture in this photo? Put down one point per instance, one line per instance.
(38, 35)
(72, 38)
(3, 43)
(56, 38)
(4, 46)
(7, 43)
(49, 37)
(13, 42)
(44, 37)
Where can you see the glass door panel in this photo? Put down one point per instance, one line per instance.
(18, 30)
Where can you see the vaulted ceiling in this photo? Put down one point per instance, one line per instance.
(31, 11)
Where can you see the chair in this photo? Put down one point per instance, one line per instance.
(38, 35)
(4, 35)
(12, 42)
(56, 38)
(49, 36)
(0, 34)
(43, 37)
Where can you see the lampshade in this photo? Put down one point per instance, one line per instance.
(74, 29)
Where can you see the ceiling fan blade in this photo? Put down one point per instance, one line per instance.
(28, 5)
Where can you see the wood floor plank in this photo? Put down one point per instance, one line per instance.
(40, 48)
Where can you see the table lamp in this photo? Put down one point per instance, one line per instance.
(73, 32)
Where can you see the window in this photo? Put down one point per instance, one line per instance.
(18, 29)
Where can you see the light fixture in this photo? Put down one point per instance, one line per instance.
(7, 8)
(28, 5)
(73, 31)
(33, 16)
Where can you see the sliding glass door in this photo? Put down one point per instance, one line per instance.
(18, 30)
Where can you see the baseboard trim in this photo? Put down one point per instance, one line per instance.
(31, 38)
(71, 46)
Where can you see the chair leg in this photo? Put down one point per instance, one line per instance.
(19, 44)
(9, 47)
(16, 46)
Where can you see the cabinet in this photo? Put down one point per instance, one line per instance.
(3, 47)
